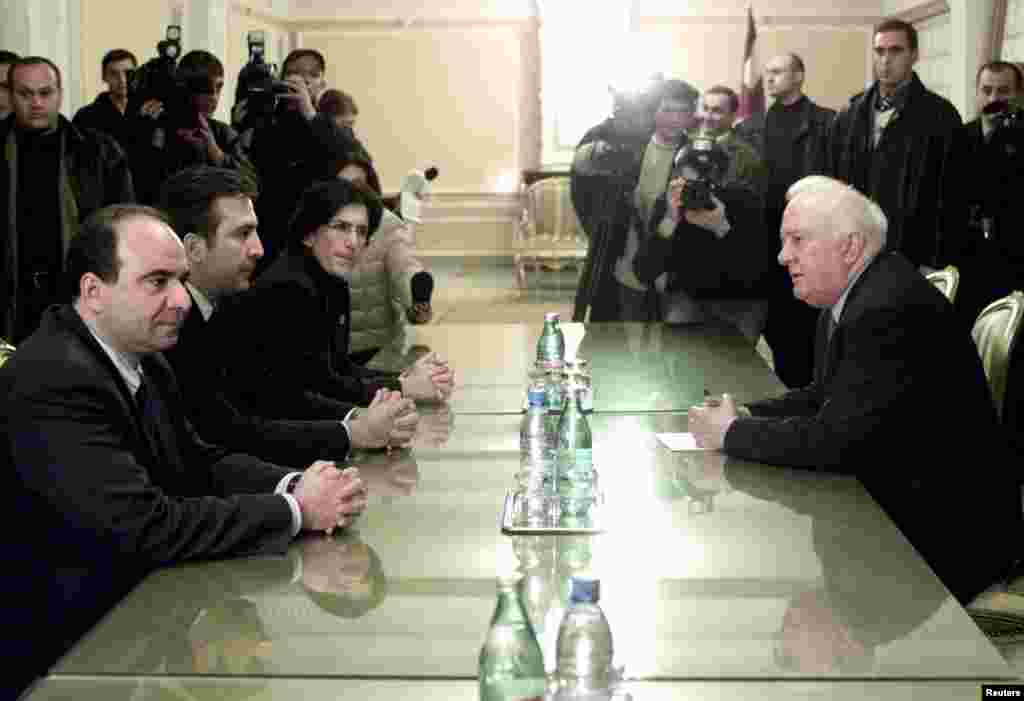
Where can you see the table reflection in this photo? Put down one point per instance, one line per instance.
(205, 619)
(387, 473)
(865, 601)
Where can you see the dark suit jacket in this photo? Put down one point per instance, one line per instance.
(95, 503)
(914, 174)
(904, 405)
(286, 362)
(808, 145)
(219, 420)
(98, 171)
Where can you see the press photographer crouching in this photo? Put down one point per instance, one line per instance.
(993, 265)
(707, 236)
(177, 129)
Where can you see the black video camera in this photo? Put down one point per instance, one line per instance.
(257, 86)
(703, 162)
(157, 78)
(1004, 115)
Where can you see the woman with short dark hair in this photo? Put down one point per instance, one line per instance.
(286, 328)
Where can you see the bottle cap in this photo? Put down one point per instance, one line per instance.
(585, 590)
(509, 580)
(536, 397)
(552, 316)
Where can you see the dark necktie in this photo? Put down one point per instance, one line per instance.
(885, 103)
(830, 329)
(150, 410)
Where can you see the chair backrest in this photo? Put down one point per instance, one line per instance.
(947, 280)
(549, 208)
(995, 333)
(5, 351)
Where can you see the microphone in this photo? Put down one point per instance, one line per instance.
(422, 285)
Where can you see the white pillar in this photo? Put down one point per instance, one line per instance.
(206, 27)
(48, 29)
(970, 22)
(14, 29)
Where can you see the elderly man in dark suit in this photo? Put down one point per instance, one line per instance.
(107, 480)
(212, 211)
(899, 397)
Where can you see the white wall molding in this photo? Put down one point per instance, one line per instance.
(763, 21)
(335, 25)
(922, 12)
(251, 8)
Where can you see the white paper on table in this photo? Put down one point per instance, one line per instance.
(678, 441)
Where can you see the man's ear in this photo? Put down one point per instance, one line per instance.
(90, 293)
(195, 247)
(854, 247)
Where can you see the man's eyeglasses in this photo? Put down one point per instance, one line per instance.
(346, 228)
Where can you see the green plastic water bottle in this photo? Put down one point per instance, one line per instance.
(551, 344)
(576, 476)
(511, 662)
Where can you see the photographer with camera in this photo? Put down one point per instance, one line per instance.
(708, 247)
(618, 170)
(993, 265)
(178, 129)
(279, 118)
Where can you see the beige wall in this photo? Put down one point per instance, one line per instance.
(708, 53)
(109, 24)
(934, 65)
(1013, 44)
(444, 94)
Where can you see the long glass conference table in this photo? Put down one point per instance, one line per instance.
(721, 579)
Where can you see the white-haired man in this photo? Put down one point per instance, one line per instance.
(898, 399)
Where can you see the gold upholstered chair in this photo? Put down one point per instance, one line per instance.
(5, 351)
(946, 280)
(548, 231)
(995, 333)
(999, 611)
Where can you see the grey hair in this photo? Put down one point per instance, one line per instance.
(857, 213)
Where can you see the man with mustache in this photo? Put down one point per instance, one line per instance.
(108, 479)
(212, 211)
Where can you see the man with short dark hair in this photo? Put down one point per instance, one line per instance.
(6, 59)
(993, 265)
(52, 176)
(212, 211)
(107, 113)
(717, 114)
(108, 479)
(791, 138)
(902, 146)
